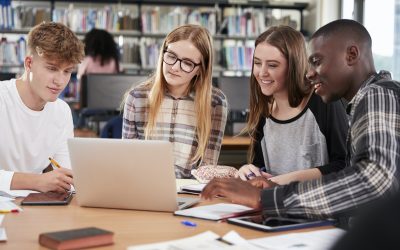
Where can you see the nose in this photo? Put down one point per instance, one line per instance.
(176, 65)
(264, 70)
(311, 74)
(61, 78)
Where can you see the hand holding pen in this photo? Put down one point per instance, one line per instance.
(249, 171)
(58, 180)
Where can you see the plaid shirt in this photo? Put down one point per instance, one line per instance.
(176, 122)
(373, 155)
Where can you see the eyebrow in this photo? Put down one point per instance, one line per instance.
(256, 58)
(58, 66)
(183, 58)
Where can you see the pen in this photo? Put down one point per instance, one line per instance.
(9, 211)
(224, 241)
(263, 169)
(54, 163)
(188, 223)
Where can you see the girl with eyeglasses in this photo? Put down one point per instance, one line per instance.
(178, 103)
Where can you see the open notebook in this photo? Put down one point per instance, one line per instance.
(126, 174)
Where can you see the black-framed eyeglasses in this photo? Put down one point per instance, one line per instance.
(185, 64)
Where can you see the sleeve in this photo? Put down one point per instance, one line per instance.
(129, 129)
(5, 179)
(258, 159)
(5, 176)
(335, 128)
(62, 154)
(371, 174)
(218, 122)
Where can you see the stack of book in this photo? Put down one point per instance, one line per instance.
(237, 54)
(161, 20)
(112, 18)
(12, 53)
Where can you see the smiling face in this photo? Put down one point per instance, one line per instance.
(329, 71)
(46, 79)
(270, 69)
(177, 79)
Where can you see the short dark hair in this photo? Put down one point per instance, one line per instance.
(101, 43)
(346, 28)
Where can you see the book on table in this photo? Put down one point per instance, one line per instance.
(76, 238)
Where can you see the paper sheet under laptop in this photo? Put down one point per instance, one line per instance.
(215, 212)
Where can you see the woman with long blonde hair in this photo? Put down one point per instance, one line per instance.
(178, 103)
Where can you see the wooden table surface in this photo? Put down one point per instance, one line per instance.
(130, 227)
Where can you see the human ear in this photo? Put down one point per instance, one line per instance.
(352, 55)
(28, 63)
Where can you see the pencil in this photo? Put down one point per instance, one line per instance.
(54, 163)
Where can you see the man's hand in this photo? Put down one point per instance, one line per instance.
(262, 182)
(235, 190)
(58, 180)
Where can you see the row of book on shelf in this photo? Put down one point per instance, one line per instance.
(144, 52)
(235, 21)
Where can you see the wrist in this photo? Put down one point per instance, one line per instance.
(25, 181)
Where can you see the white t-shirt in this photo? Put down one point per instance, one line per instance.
(28, 138)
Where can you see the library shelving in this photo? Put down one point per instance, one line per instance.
(140, 26)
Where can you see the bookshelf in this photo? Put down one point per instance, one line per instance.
(139, 26)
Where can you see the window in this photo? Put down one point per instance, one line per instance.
(347, 9)
(379, 19)
(382, 19)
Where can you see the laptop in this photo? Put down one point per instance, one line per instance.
(125, 174)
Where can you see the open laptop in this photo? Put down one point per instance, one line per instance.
(125, 174)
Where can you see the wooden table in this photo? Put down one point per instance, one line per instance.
(130, 227)
(234, 142)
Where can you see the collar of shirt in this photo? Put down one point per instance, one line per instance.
(190, 96)
(383, 74)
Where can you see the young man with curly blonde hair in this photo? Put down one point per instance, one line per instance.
(35, 124)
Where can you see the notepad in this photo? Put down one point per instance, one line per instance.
(192, 189)
(218, 211)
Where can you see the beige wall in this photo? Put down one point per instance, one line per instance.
(321, 12)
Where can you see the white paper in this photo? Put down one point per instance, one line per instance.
(184, 182)
(315, 240)
(8, 206)
(3, 236)
(194, 187)
(18, 193)
(215, 212)
(2, 198)
(206, 240)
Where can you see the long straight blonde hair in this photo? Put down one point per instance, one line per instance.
(200, 84)
(291, 44)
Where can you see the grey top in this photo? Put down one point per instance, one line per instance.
(314, 138)
(303, 146)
